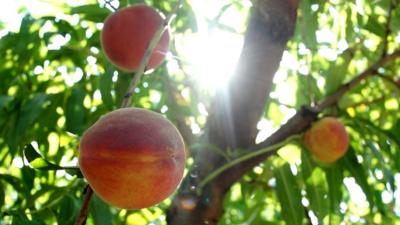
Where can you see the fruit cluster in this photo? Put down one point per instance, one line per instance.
(132, 158)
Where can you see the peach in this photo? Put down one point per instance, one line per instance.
(132, 158)
(127, 33)
(327, 140)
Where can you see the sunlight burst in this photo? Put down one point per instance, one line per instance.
(211, 57)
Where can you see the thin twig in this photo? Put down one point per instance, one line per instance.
(242, 158)
(85, 205)
(108, 2)
(81, 220)
(332, 99)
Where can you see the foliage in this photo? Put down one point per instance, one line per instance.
(56, 82)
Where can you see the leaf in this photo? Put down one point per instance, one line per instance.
(14, 182)
(100, 211)
(68, 210)
(28, 177)
(379, 203)
(386, 140)
(309, 24)
(91, 12)
(2, 196)
(317, 193)
(21, 219)
(30, 112)
(388, 173)
(307, 163)
(338, 71)
(395, 131)
(289, 195)
(316, 188)
(37, 161)
(334, 176)
(74, 110)
(375, 27)
(349, 32)
(351, 164)
(105, 86)
(4, 100)
(185, 20)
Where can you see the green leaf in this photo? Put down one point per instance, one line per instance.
(317, 193)
(185, 20)
(338, 71)
(289, 195)
(68, 210)
(375, 27)
(105, 86)
(37, 161)
(75, 111)
(379, 203)
(316, 188)
(395, 131)
(333, 219)
(100, 211)
(22, 219)
(334, 176)
(91, 12)
(30, 111)
(28, 177)
(307, 90)
(14, 182)
(2, 196)
(351, 164)
(307, 163)
(5, 100)
(388, 173)
(309, 24)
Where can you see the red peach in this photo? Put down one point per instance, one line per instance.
(132, 158)
(327, 140)
(127, 33)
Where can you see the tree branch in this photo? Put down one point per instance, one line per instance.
(298, 123)
(236, 110)
(82, 217)
(372, 70)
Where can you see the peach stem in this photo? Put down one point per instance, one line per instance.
(85, 205)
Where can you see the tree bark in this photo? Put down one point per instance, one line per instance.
(236, 111)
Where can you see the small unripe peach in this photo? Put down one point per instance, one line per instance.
(132, 158)
(127, 33)
(327, 140)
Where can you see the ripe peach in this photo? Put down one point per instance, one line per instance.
(327, 140)
(127, 33)
(132, 158)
